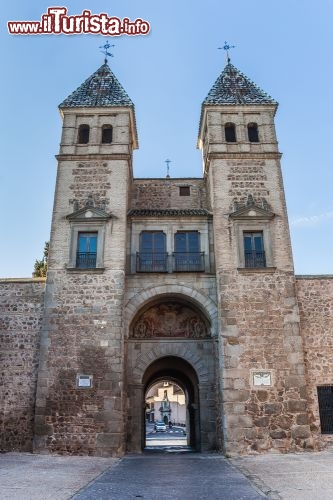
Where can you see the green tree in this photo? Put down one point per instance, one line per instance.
(40, 267)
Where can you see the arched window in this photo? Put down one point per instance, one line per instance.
(230, 132)
(252, 132)
(83, 136)
(107, 134)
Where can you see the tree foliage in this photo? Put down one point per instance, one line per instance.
(40, 267)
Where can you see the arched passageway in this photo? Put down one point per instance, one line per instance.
(181, 373)
(171, 338)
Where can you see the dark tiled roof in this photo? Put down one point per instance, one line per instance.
(232, 87)
(100, 89)
(168, 212)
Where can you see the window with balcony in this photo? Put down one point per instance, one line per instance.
(254, 254)
(152, 256)
(187, 255)
(86, 254)
(88, 227)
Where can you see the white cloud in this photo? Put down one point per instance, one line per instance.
(311, 220)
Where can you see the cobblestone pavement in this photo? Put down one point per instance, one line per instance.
(177, 477)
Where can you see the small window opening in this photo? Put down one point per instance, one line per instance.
(184, 191)
(83, 137)
(252, 131)
(107, 134)
(325, 401)
(230, 132)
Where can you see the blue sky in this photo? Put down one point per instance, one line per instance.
(285, 47)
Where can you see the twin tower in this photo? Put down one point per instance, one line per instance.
(186, 280)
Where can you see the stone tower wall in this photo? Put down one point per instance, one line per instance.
(258, 307)
(21, 310)
(82, 326)
(315, 300)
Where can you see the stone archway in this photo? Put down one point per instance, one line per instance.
(182, 373)
(170, 337)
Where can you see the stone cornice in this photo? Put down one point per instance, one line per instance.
(247, 156)
(22, 280)
(314, 276)
(96, 156)
(256, 270)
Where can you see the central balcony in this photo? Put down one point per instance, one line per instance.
(151, 262)
(162, 262)
(188, 261)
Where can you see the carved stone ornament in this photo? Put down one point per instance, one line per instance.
(170, 319)
(89, 212)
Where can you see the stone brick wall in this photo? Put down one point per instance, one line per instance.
(164, 193)
(260, 331)
(315, 300)
(21, 309)
(81, 336)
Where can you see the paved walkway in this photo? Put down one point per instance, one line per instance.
(295, 476)
(301, 476)
(187, 476)
(24, 476)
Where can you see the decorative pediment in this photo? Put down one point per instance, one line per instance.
(252, 212)
(89, 213)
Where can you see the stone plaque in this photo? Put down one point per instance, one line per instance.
(261, 378)
(84, 381)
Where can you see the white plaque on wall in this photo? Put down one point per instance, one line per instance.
(261, 378)
(84, 381)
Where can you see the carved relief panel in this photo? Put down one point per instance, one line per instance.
(170, 319)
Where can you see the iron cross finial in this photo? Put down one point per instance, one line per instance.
(227, 47)
(106, 51)
(168, 166)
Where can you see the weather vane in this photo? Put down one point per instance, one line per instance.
(106, 51)
(167, 164)
(227, 47)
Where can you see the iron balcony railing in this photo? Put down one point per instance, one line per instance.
(151, 262)
(255, 259)
(162, 262)
(188, 261)
(86, 260)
